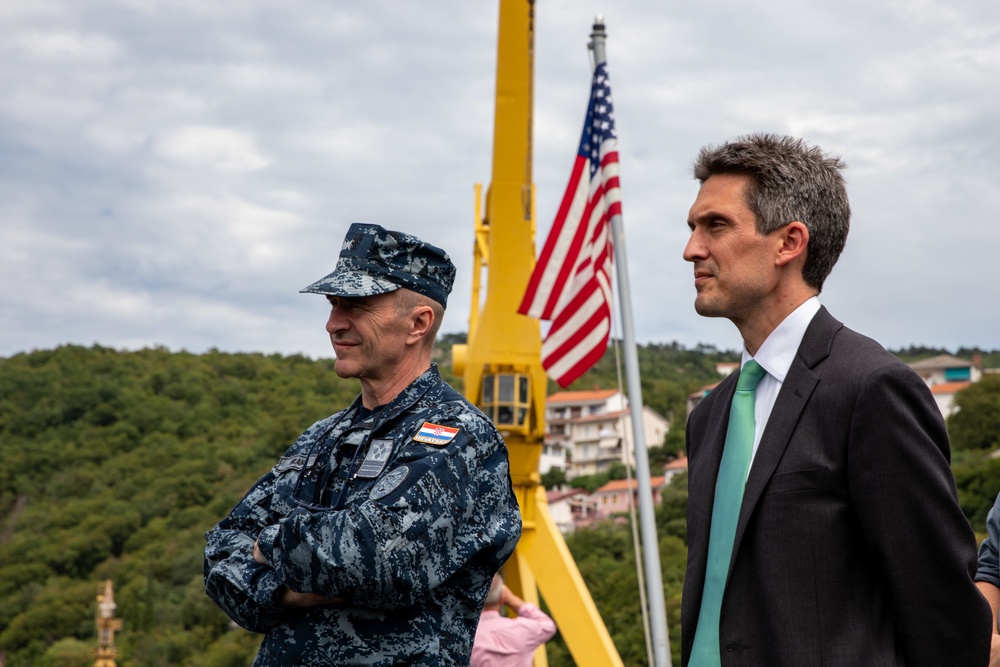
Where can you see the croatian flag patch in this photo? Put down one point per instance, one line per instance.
(433, 434)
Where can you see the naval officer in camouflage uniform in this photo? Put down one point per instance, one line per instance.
(373, 541)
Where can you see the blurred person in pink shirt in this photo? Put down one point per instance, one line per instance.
(509, 642)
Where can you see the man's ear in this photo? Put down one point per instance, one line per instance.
(794, 243)
(421, 322)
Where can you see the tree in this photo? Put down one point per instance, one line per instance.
(113, 465)
(68, 652)
(553, 478)
(618, 470)
(590, 483)
(605, 557)
(976, 424)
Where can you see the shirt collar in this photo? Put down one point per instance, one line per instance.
(413, 393)
(778, 351)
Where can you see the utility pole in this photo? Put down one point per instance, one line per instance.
(647, 518)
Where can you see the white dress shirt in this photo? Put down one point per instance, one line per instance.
(775, 356)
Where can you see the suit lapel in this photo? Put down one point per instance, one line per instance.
(795, 392)
(704, 464)
(712, 445)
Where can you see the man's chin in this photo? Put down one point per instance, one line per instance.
(344, 369)
(707, 309)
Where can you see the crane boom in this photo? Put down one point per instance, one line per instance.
(501, 363)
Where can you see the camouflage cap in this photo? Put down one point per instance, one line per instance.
(375, 260)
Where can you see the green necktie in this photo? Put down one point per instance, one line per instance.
(725, 514)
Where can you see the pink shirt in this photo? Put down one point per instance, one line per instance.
(510, 642)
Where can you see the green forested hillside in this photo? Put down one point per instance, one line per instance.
(113, 464)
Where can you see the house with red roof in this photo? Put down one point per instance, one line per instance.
(613, 497)
(946, 376)
(571, 509)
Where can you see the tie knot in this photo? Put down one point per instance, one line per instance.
(750, 376)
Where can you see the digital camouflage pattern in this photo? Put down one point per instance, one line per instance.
(989, 551)
(374, 260)
(406, 534)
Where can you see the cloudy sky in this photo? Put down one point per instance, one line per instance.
(173, 172)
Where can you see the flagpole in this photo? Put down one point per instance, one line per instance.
(647, 519)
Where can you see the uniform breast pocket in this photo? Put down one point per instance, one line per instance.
(794, 481)
(287, 463)
(287, 477)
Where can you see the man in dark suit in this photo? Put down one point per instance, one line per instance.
(845, 543)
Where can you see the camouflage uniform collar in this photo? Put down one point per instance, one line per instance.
(430, 379)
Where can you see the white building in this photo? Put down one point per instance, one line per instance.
(674, 468)
(946, 376)
(587, 431)
(946, 368)
(571, 509)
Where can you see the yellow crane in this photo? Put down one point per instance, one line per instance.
(501, 365)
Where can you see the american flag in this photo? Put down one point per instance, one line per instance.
(571, 284)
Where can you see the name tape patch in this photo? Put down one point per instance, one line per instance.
(434, 434)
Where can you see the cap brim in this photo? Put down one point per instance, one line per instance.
(350, 284)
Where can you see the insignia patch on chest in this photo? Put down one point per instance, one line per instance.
(376, 458)
(389, 483)
(433, 434)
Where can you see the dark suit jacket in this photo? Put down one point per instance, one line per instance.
(851, 548)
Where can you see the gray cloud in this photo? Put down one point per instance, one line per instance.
(173, 172)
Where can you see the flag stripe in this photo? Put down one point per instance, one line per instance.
(572, 334)
(568, 268)
(589, 338)
(564, 240)
(589, 353)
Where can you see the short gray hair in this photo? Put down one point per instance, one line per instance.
(407, 300)
(789, 180)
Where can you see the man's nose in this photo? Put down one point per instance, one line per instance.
(695, 249)
(337, 321)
